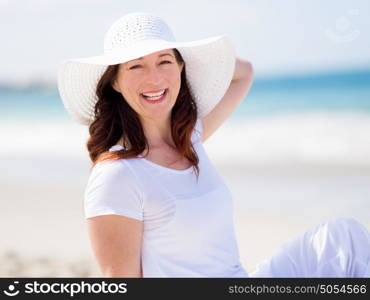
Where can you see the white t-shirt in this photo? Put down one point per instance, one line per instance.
(188, 225)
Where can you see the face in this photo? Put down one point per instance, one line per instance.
(150, 74)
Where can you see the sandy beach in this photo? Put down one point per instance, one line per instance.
(44, 231)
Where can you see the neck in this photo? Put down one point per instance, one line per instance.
(158, 136)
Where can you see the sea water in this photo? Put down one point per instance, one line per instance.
(322, 118)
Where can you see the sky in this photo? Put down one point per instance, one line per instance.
(277, 37)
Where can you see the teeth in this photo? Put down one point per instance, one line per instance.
(154, 94)
(153, 98)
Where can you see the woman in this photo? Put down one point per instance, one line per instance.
(155, 205)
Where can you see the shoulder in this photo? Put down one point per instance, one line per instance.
(198, 129)
(112, 172)
(110, 167)
(199, 125)
(113, 188)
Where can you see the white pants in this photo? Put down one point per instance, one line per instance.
(339, 247)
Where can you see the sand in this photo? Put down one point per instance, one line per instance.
(43, 231)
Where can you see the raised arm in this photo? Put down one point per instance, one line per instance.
(237, 91)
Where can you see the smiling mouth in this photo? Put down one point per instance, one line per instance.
(155, 99)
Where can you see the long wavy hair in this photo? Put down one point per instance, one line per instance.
(114, 118)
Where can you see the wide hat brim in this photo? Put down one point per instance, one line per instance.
(209, 66)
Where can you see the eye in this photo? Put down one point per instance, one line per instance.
(134, 67)
(166, 61)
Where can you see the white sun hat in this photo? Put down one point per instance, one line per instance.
(209, 63)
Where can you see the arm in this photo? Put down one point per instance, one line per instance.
(239, 87)
(116, 242)
(113, 204)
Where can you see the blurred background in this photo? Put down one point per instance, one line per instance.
(295, 153)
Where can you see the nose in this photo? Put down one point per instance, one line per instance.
(153, 75)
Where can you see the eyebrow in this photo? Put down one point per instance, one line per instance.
(164, 54)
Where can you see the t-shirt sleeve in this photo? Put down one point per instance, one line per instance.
(112, 188)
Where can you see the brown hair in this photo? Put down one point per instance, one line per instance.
(114, 118)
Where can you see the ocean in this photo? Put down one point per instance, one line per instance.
(312, 119)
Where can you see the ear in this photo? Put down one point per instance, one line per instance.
(115, 86)
(181, 66)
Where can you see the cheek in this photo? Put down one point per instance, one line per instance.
(174, 77)
(129, 86)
